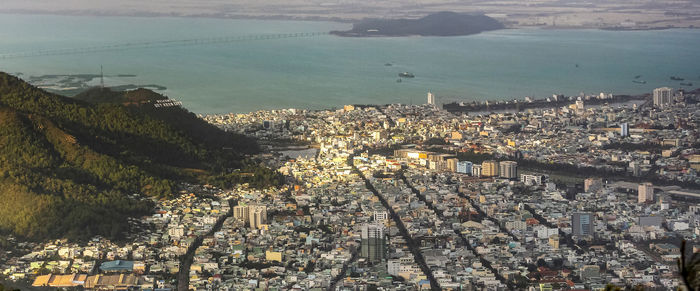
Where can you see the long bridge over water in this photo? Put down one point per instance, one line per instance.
(157, 44)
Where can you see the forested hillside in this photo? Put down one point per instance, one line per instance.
(68, 167)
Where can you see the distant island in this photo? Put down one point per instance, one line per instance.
(437, 24)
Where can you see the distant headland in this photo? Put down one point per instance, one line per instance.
(437, 24)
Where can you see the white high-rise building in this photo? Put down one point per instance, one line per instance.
(240, 212)
(373, 243)
(624, 129)
(431, 99)
(464, 167)
(476, 170)
(663, 96)
(257, 216)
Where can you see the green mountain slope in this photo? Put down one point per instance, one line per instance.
(68, 167)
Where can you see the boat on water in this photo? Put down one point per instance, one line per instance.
(639, 82)
(406, 75)
(686, 84)
(676, 78)
(388, 64)
(637, 76)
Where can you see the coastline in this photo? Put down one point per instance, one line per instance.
(276, 17)
(465, 76)
(317, 18)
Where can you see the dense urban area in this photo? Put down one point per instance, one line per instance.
(399, 197)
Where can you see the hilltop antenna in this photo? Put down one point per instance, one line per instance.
(102, 78)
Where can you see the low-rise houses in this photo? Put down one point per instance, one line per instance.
(462, 202)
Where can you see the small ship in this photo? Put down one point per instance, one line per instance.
(406, 75)
(639, 82)
(686, 84)
(676, 78)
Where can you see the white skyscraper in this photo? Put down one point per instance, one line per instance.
(476, 170)
(257, 216)
(240, 212)
(464, 167)
(373, 242)
(663, 96)
(431, 99)
(624, 129)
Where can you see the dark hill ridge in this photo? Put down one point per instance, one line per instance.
(68, 166)
(437, 24)
(133, 97)
(142, 100)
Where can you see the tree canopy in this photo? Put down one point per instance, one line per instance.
(68, 166)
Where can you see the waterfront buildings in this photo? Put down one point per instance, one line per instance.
(662, 97)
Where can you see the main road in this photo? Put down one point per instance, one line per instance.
(413, 247)
(183, 276)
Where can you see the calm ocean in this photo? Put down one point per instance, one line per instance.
(328, 71)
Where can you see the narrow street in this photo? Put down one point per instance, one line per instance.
(430, 205)
(183, 276)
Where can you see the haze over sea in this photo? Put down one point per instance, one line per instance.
(329, 71)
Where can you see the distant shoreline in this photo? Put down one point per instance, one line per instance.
(204, 16)
(279, 17)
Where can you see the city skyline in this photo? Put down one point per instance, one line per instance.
(349, 145)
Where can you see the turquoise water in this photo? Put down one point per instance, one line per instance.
(329, 71)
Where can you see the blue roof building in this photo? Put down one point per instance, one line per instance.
(117, 266)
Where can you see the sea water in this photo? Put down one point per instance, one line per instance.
(328, 71)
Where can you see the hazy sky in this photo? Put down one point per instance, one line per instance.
(354, 9)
